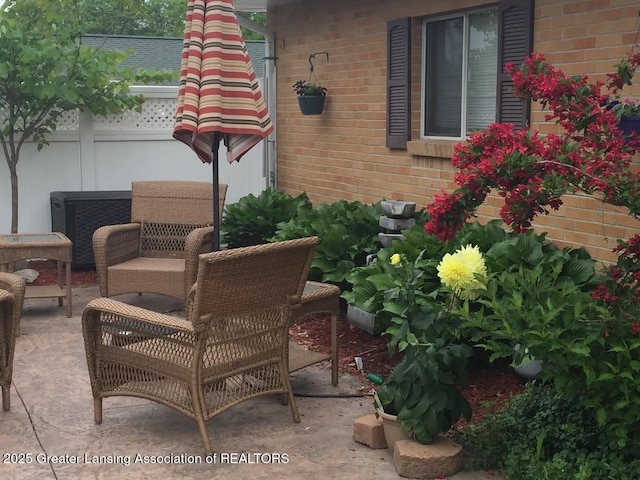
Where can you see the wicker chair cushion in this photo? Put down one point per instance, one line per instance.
(159, 275)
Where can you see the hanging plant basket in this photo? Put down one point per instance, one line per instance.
(311, 104)
(629, 124)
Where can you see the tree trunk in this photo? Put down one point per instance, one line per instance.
(14, 199)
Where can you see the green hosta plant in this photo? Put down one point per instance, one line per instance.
(535, 294)
(370, 283)
(254, 220)
(348, 232)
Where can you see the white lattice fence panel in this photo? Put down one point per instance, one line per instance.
(67, 121)
(156, 114)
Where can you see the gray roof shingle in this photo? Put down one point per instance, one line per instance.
(157, 53)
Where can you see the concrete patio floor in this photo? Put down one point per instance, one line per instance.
(51, 420)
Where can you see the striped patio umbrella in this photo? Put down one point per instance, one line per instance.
(219, 99)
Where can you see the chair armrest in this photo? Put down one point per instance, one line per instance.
(13, 284)
(118, 312)
(113, 244)
(109, 324)
(16, 285)
(199, 240)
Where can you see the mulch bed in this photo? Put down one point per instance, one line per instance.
(49, 276)
(489, 388)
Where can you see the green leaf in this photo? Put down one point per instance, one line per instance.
(601, 416)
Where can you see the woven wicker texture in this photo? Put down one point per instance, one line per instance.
(317, 298)
(173, 201)
(12, 289)
(79, 214)
(158, 251)
(232, 346)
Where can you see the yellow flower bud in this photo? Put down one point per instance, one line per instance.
(395, 259)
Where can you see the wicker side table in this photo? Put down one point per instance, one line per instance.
(317, 298)
(54, 246)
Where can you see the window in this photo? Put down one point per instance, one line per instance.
(464, 85)
(460, 73)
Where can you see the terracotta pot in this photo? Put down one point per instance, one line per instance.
(392, 429)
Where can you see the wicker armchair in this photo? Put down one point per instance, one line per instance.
(232, 346)
(12, 288)
(158, 251)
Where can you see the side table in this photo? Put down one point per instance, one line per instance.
(317, 298)
(55, 246)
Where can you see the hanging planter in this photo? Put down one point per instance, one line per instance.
(629, 124)
(311, 104)
(628, 112)
(311, 97)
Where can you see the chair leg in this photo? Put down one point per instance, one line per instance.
(97, 410)
(205, 437)
(284, 373)
(334, 349)
(6, 398)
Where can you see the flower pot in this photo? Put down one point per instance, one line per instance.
(362, 319)
(525, 365)
(311, 104)
(392, 429)
(629, 125)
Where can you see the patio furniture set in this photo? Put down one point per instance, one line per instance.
(233, 343)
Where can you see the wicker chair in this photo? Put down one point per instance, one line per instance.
(12, 289)
(158, 251)
(232, 346)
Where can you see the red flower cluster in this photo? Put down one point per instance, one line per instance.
(532, 172)
(602, 294)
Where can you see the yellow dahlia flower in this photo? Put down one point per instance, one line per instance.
(395, 259)
(473, 257)
(458, 271)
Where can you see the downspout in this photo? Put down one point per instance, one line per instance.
(269, 155)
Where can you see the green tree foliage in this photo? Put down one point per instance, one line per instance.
(45, 71)
(154, 18)
(259, 18)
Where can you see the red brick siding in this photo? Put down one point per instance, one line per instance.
(342, 153)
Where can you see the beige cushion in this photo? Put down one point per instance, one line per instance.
(158, 275)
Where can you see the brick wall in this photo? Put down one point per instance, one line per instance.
(342, 153)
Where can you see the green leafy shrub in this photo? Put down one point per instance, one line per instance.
(348, 232)
(534, 295)
(422, 390)
(547, 303)
(370, 283)
(254, 220)
(545, 434)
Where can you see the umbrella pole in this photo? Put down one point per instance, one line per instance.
(216, 194)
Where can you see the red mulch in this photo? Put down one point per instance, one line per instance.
(49, 276)
(489, 388)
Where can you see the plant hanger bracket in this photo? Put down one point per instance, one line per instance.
(311, 67)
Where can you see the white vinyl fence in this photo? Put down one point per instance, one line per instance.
(107, 153)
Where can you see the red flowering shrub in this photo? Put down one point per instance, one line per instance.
(531, 172)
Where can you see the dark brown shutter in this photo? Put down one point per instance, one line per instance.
(515, 32)
(398, 82)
